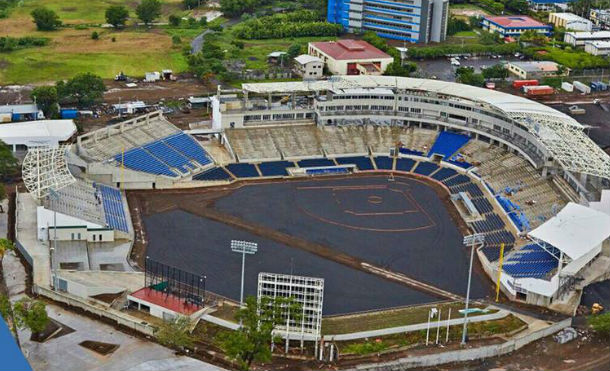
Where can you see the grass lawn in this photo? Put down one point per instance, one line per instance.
(72, 51)
(475, 330)
(90, 11)
(255, 52)
(577, 59)
(466, 34)
(386, 319)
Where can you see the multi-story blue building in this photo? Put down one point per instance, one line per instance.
(417, 21)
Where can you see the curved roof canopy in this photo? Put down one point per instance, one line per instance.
(560, 134)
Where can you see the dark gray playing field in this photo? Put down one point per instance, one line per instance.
(400, 225)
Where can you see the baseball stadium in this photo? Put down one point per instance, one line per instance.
(383, 189)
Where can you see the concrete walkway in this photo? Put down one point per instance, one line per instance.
(64, 353)
(417, 327)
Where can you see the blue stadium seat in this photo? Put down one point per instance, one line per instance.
(443, 174)
(189, 147)
(275, 168)
(362, 162)
(169, 156)
(384, 162)
(243, 170)
(316, 162)
(141, 160)
(112, 202)
(425, 168)
(404, 164)
(216, 173)
(407, 151)
(447, 144)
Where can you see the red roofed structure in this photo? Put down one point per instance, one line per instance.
(161, 304)
(351, 57)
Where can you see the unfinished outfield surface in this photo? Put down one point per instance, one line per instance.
(317, 227)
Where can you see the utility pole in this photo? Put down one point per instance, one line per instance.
(472, 241)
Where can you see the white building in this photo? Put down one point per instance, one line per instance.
(533, 69)
(351, 57)
(69, 228)
(575, 237)
(570, 21)
(601, 48)
(580, 38)
(308, 66)
(22, 135)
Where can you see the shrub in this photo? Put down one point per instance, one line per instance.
(95, 35)
(45, 19)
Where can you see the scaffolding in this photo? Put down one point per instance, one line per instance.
(45, 169)
(308, 292)
(174, 282)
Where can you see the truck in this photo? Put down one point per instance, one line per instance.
(585, 89)
(518, 84)
(539, 90)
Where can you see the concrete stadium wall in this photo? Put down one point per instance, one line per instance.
(463, 355)
(100, 311)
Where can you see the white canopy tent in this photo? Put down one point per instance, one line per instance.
(576, 230)
(37, 133)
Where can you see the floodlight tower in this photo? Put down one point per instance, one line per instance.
(470, 240)
(243, 247)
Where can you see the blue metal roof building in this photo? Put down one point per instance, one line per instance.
(10, 354)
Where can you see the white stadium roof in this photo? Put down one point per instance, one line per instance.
(575, 230)
(563, 136)
(37, 133)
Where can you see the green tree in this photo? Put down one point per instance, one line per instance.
(117, 16)
(455, 25)
(252, 341)
(31, 314)
(95, 35)
(533, 37)
(5, 245)
(8, 162)
(47, 100)
(466, 75)
(174, 20)
(192, 4)
(497, 71)
(84, 89)
(45, 19)
(175, 333)
(600, 323)
(294, 50)
(148, 11)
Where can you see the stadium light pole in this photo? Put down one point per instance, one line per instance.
(470, 240)
(54, 197)
(243, 247)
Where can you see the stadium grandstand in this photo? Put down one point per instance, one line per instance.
(513, 167)
(145, 152)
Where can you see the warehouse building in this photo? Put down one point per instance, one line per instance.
(601, 48)
(533, 70)
(580, 38)
(570, 21)
(514, 25)
(418, 21)
(600, 17)
(548, 5)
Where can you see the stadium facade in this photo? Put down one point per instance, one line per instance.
(417, 21)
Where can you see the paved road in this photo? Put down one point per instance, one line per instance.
(197, 43)
(443, 70)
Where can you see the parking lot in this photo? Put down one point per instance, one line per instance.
(443, 70)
